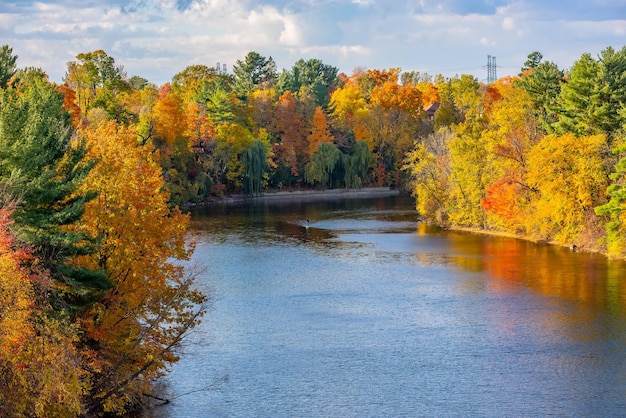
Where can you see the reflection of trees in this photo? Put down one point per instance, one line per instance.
(592, 282)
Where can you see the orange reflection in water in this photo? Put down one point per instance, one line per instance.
(595, 286)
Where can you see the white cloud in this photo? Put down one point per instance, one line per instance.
(157, 38)
(508, 23)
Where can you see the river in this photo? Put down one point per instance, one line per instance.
(368, 313)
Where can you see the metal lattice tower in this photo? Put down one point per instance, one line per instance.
(491, 69)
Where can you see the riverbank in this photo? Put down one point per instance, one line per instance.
(579, 248)
(307, 195)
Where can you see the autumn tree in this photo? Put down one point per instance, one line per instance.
(130, 335)
(97, 81)
(320, 131)
(188, 83)
(262, 103)
(428, 165)
(471, 162)
(510, 133)
(570, 179)
(38, 359)
(289, 130)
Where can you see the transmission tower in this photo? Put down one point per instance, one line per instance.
(491, 69)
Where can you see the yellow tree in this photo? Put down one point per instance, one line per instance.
(349, 110)
(570, 178)
(510, 134)
(170, 122)
(132, 332)
(429, 174)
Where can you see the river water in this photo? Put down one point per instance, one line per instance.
(368, 313)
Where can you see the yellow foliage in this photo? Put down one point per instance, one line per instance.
(569, 176)
(429, 175)
(130, 332)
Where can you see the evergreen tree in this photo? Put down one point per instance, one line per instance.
(42, 164)
(580, 106)
(253, 72)
(542, 81)
(7, 65)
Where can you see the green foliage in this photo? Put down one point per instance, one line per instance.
(254, 161)
(313, 73)
(357, 164)
(322, 165)
(615, 209)
(43, 165)
(7, 65)
(97, 81)
(254, 72)
(542, 81)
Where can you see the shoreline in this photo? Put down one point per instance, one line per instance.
(303, 195)
(504, 234)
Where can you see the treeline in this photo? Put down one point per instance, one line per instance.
(541, 154)
(258, 129)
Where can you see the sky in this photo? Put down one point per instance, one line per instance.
(156, 39)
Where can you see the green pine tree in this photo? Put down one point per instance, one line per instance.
(42, 165)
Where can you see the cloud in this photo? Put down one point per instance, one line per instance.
(158, 38)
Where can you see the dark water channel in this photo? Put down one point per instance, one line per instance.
(368, 313)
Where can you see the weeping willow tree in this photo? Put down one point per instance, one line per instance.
(357, 164)
(254, 165)
(322, 164)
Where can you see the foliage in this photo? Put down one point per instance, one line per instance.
(43, 165)
(254, 161)
(38, 359)
(322, 164)
(570, 178)
(319, 77)
(429, 172)
(7, 65)
(130, 335)
(254, 72)
(320, 131)
(615, 209)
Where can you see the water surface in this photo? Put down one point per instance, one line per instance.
(368, 313)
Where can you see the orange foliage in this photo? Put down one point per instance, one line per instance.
(503, 200)
(319, 131)
(291, 130)
(199, 126)
(70, 103)
(169, 120)
(393, 96)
